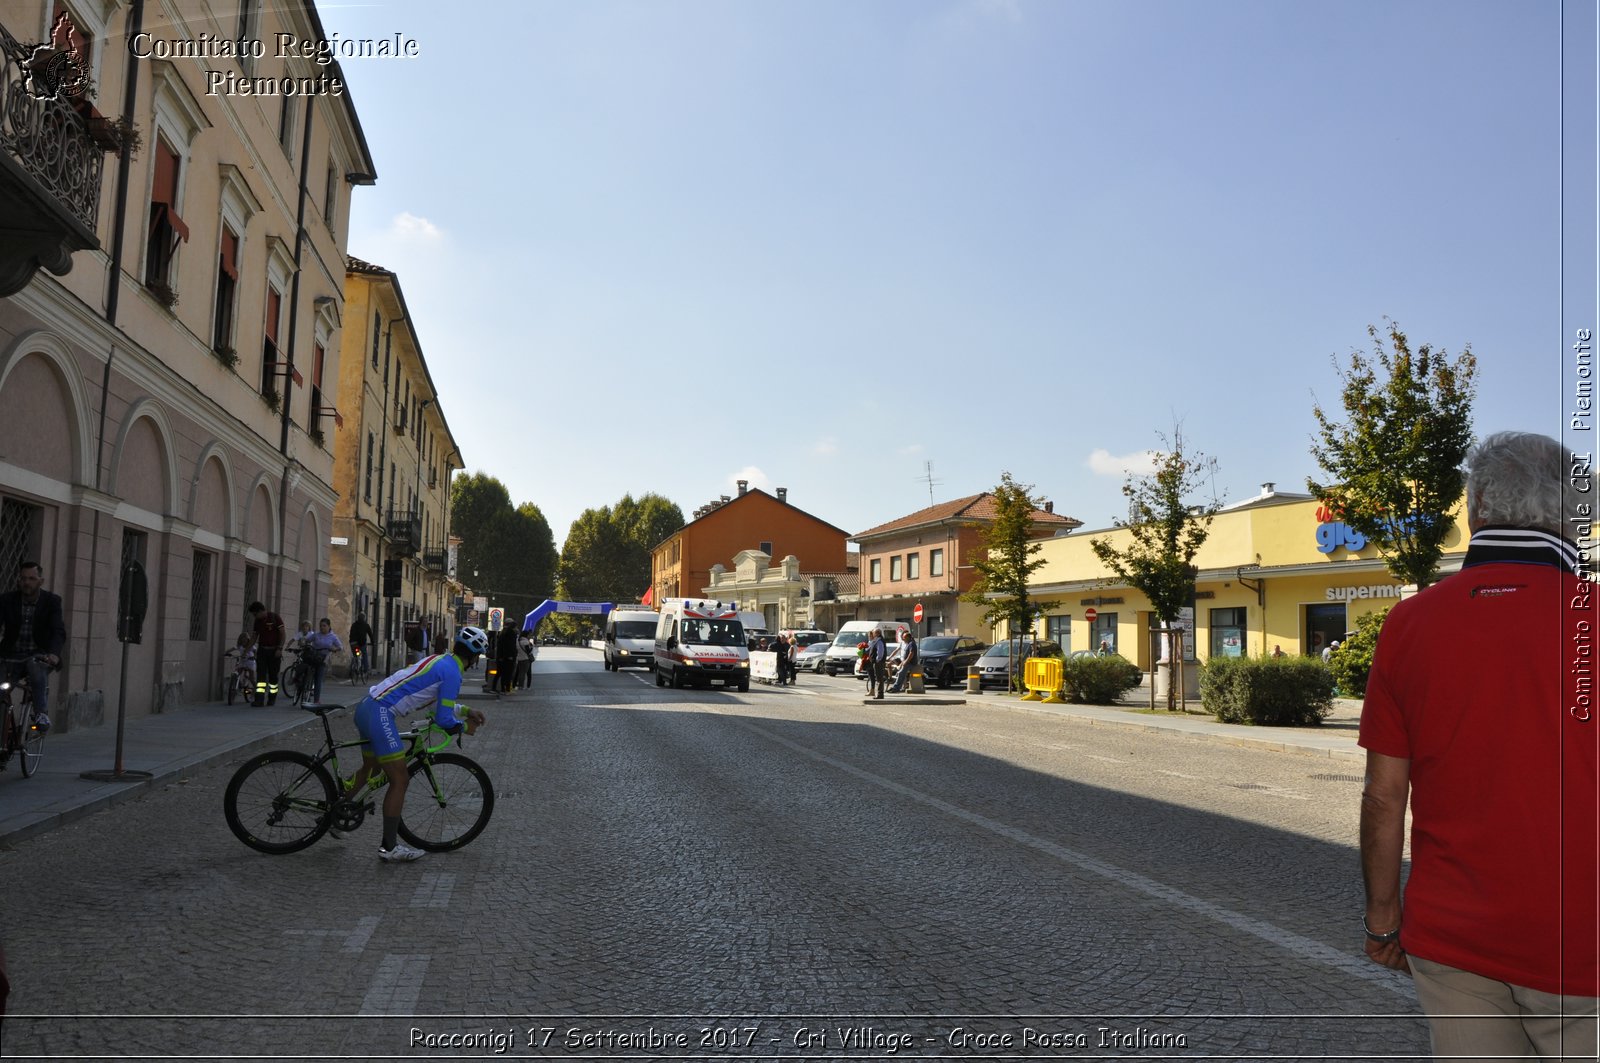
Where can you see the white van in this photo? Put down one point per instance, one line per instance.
(841, 656)
(700, 642)
(629, 638)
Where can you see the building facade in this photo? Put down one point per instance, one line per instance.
(164, 388)
(925, 558)
(681, 565)
(391, 560)
(1276, 572)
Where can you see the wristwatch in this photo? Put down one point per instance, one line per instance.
(1383, 938)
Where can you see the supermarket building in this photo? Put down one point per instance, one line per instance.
(1276, 571)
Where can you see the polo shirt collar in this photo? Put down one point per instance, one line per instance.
(1520, 546)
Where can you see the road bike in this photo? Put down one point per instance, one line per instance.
(241, 682)
(19, 735)
(360, 670)
(296, 681)
(284, 800)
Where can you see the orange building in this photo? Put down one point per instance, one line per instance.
(925, 558)
(680, 565)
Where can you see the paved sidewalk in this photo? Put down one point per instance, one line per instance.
(175, 744)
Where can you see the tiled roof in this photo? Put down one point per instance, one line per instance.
(971, 509)
(352, 264)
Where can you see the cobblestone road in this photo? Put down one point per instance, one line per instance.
(709, 875)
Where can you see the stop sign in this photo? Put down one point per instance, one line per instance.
(1089, 615)
(916, 614)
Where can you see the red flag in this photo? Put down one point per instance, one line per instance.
(647, 595)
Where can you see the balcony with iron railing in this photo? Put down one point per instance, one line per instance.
(435, 559)
(404, 532)
(50, 165)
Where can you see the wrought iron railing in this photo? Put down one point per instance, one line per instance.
(405, 531)
(434, 560)
(48, 137)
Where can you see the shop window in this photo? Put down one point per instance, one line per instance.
(1325, 625)
(20, 526)
(1103, 633)
(1227, 632)
(1058, 629)
(936, 562)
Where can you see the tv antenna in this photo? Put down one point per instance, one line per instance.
(927, 474)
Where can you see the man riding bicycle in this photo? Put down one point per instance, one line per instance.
(430, 680)
(33, 635)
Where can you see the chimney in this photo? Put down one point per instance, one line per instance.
(1266, 489)
(744, 485)
(1049, 507)
(783, 494)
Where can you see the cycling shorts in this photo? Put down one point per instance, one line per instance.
(379, 731)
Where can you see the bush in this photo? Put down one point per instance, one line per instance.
(1352, 661)
(1098, 680)
(1267, 691)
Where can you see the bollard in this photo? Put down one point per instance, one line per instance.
(974, 680)
(916, 682)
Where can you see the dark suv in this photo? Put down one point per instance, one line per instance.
(945, 658)
(992, 665)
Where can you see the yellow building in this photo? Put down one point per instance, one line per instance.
(1276, 572)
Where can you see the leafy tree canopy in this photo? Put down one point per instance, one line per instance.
(1166, 529)
(507, 554)
(1395, 465)
(606, 557)
(1006, 560)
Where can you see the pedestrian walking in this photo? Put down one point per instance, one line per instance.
(270, 632)
(1492, 740)
(318, 647)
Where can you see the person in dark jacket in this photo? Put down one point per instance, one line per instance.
(505, 655)
(32, 626)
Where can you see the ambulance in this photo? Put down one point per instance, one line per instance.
(701, 642)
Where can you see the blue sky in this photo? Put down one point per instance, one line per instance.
(989, 235)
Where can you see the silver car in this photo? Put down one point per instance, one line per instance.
(994, 667)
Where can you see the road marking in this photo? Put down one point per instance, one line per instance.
(1298, 944)
(1108, 760)
(396, 985)
(358, 938)
(1181, 775)
(434, 889)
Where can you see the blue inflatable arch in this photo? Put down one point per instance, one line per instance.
(546, 607)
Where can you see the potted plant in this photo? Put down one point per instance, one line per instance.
(271, 399)
(226, 355)
(163, 293)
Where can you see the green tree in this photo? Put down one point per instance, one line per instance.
(508, 555)
(1395, 467)
(1006, 560)
(1166, 531)
(607, 553)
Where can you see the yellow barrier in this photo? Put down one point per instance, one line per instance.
(1042, 675)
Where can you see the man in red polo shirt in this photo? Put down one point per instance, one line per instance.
(1480, 704)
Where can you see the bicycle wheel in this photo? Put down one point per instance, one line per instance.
(278, 802)
(447, 804)
(233, 687)
(291, 683)
(31, 747)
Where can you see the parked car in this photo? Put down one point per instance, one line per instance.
(812, 658)
(945, 658)
(992, 666)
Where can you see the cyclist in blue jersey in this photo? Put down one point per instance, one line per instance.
(431, 680)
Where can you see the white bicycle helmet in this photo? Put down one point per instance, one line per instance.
(473, 640)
